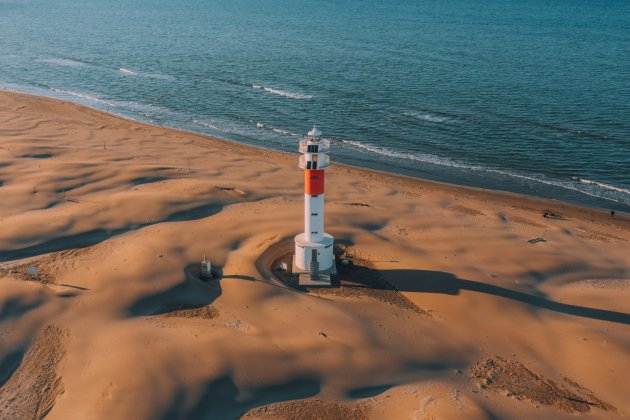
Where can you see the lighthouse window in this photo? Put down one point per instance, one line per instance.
(308, 164)
(312, 148)
(314, 214)
(314, 233)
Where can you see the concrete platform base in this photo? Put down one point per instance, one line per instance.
(314, 262)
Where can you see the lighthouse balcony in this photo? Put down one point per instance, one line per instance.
(310, 146)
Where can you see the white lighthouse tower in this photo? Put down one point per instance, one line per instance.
(314, 259)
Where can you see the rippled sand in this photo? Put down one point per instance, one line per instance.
(102, 223)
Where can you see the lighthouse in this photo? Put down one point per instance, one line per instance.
(314, 260)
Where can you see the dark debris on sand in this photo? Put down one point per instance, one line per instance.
(553, 215)
(515, 379)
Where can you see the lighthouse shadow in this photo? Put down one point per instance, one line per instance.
(194, 292)
(358, 276)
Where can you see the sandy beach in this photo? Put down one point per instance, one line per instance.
(457, 303)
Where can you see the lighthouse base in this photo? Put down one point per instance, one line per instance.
(314, 262)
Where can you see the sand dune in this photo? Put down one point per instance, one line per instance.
(448, 309)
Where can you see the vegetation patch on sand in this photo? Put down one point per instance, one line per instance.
(514, 378)
(29, 272)
(204, 312)
(308, 410)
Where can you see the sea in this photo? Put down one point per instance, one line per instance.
(528, 96)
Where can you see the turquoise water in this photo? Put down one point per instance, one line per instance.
(529, 96)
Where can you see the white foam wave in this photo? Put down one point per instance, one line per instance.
(283, 132)
(63, 62)
(90, 98)
(127, 72)
(620, 195)
(425, 116)
(384, 151)
(262, 126)
(207, 125)
(280, 92)
(603, 185)
(146, 109)
(225, 127)
(261, 130)
(85, 96)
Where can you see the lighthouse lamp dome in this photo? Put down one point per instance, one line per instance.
(314, 133)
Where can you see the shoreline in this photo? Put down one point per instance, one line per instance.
(581, 198)
(540, 203)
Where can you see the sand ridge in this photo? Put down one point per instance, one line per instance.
(34, 385)
(102, 220)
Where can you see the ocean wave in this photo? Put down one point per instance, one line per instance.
(147, 110)
(158, 76)
(426, 116)
(143, 108)
(280, 92)
(419, 157)
(63, 62)
(85, 96)
(287, 133)
(129, 72)
(602, 185)
(600, 190)
(225, 127)
(283, 132)
(207, 124)
(124, 71)
(257, 130)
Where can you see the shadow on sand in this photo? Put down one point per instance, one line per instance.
(9, 364)
(93, 237)
(191, 293)
(222, 399)
(358, 274)
(446, 283)
(16, 307)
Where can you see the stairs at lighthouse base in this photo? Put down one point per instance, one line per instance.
(323, 280)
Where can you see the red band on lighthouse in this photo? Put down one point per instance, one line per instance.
(314, 181)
